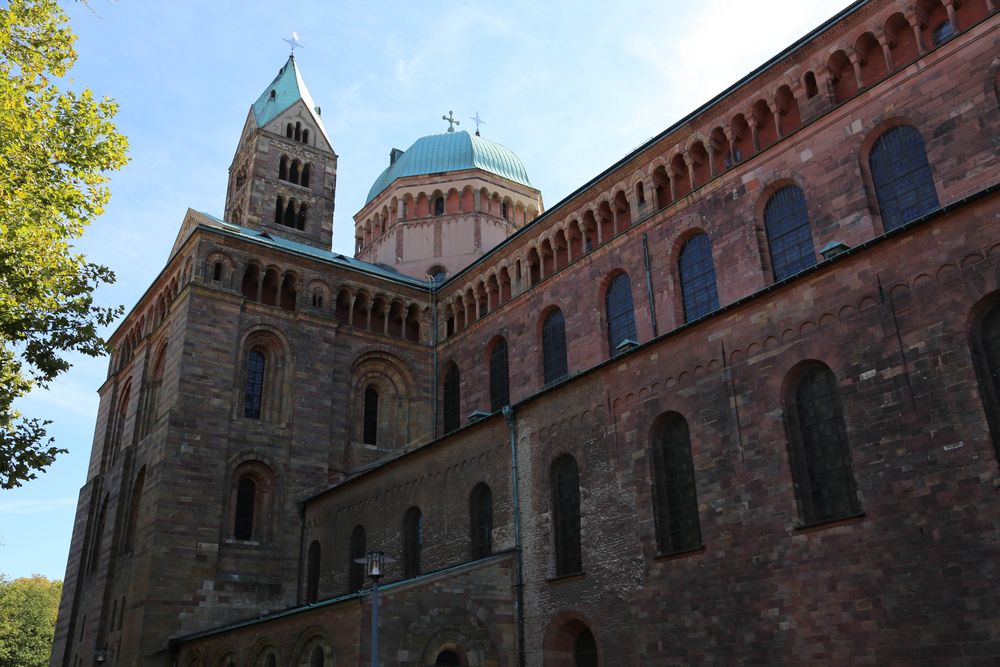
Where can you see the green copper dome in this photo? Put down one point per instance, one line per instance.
(452, 151)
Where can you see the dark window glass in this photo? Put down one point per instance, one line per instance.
(698, 278)
(499, 377)
(677, 527)
(448, 659)
(824, 475)
(439, 206)
(413, 541)
(271, 660)
(246, 493)
(566, 515)
(279, 210)
(554, 347)
(356, 579)
(989, 342)
(253, 390)
(370, 436)
(481, 520)
(317, 658)
(585, 650)
(620, 313)
(789, 238)
(902, 177)
(452, 418)
(312, 575)
(217, 271)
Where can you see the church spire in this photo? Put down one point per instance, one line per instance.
(285, 90)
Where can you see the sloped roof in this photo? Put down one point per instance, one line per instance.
(452, 151)
(287, 88)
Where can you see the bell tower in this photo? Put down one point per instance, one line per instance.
(284, 175)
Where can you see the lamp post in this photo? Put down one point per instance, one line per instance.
(374, 562)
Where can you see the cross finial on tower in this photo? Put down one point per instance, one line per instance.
(451, 121)
(294, 41)
(478, 121)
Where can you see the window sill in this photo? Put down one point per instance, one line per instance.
(558, 579)
(830, 523)
(673, 555)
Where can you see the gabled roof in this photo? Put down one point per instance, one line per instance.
(452, 151)
(288, 88)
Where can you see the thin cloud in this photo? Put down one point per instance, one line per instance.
(30, 507)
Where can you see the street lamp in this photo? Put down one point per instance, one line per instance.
(374, 562)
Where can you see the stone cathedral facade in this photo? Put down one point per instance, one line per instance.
(735, 400)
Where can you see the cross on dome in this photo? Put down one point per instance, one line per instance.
(452, 122)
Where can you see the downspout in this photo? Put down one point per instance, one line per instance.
(434, 357)
(302, 563)
(649, 283)
(508, 413)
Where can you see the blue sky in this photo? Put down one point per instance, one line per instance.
(570, 87)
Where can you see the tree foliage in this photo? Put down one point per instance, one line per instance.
(56, 147)
(28, 608)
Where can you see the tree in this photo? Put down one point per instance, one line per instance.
(28, 609)
(56, 148)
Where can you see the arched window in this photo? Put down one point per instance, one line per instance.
(300, 221)
(305, 136)
(987, 340)
(118, 427)
(293, 172)
(676, 509)
(317, 658)
(279, 210)
(413, 541)
(133, 511)
(943, 32)
(270, 660)
(566, 515)
(298, 131)
(697, 278)
(246, 500)
(789, 239)
(306, 173)
(356, 576)
(439, 206)
(448, 659)
(902, 177)
(253, 384)
(481, 520)
(620, 312)
(217, 271)
(499, 376)
(312, 573)
(585, 649)
(289, 131)
(554, 366)
(451, 399)
(283, 168)
(821, 457)
(370, 435)
(95, 538)
(289, 219)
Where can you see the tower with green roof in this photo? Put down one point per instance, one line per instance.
(284, 174)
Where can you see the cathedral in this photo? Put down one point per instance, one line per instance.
(735, 400)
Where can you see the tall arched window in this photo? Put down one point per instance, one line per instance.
(447, 659)
(356, 576)
(306, 173)
(246, 500)
(96, 536)
(133, 511)
(451, 399)
(317, 658)
(585, 649)
(283, 168)
(789, 239)
(902, 177)
(439, 206)
(697, 272)
(370, 435)
(566, 515)
(279, 210)
(481, 520)
(554, 366)
(676, 509)
(253, 384)
(499, 376)
(312, 572)
(413, 541)
(987, 340)
(821, 457)
(620, 312)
